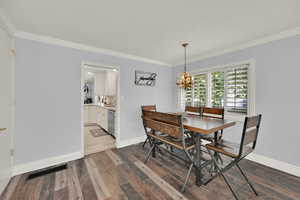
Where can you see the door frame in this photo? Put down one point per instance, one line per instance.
(83, 67)
(11, 128)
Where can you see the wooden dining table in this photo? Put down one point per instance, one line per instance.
(203, 126)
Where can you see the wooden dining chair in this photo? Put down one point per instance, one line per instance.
(171, 125)
(149, 108)
(236, 151)
(193, 110)
(217, 113)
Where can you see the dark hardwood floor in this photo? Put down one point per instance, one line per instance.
(121, 174)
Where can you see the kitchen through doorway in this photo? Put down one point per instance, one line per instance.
(100, 107)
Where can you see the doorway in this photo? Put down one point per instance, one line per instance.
(100, 107)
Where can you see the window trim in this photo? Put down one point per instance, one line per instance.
(251, 84)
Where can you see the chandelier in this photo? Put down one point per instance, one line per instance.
(185, 81)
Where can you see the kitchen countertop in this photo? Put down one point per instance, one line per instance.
(112, 108)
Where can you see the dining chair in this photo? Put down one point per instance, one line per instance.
(217, 113)
(236, 151)
(193, 110)
(149, 108)
(172, 126)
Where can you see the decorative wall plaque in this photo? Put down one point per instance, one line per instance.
(145, 78)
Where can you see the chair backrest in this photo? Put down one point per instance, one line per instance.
(149, 107)
(193, 110)
(250, 132)
(212, 112)
(170, 124)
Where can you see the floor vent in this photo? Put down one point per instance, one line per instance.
(47, 171)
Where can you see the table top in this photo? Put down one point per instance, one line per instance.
(205, 125)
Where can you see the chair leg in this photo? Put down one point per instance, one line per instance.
(246, 178)
(235, 196)
(149, 153)
(145, 142)
(187, 177)
(221, 173)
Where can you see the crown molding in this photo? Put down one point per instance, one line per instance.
(264, 40)
(6, 24)
(79, 46)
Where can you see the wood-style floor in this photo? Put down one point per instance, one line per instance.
(121, 174)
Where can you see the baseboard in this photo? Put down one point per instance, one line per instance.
(276, 164)
(131, 141)
(40, 164)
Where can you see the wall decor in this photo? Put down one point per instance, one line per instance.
(145, 78)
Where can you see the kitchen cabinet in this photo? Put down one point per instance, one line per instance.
(111, 83)
(100, 115)
(102, 118)
(90, 114)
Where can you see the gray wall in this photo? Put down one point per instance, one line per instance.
(48, 117)
(277, 95)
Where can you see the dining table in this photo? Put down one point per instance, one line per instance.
(201, 127)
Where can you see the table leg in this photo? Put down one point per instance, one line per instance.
(216, 155)
(198, 159)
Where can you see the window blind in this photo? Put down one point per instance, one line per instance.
(197, 95)
(227, 87)
(189, 97)
(236, 83)
(200, 90)
(217, 89)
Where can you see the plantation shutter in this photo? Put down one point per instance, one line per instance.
(189, 97)
(217, 89)
(200, 90)
(236, 82)
(197, 95)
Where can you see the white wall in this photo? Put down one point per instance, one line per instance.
(277, 95)
(48, 118)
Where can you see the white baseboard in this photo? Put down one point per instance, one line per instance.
(276, 164)
(40, 164)
(131, 141)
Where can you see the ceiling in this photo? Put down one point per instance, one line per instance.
(155, 29)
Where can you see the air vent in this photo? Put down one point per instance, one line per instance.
(47, 171)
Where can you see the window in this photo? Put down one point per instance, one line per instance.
(217, 89)
(226, 87)
(237, 89)
(196, 96)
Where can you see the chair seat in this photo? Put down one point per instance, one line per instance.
(156, 133)
(228, 148)
(208, 138)
(177, 143)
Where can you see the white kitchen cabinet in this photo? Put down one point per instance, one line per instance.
(111, 83)
(96, 115)
(102, 120)
(90, 114)
(93, 114)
